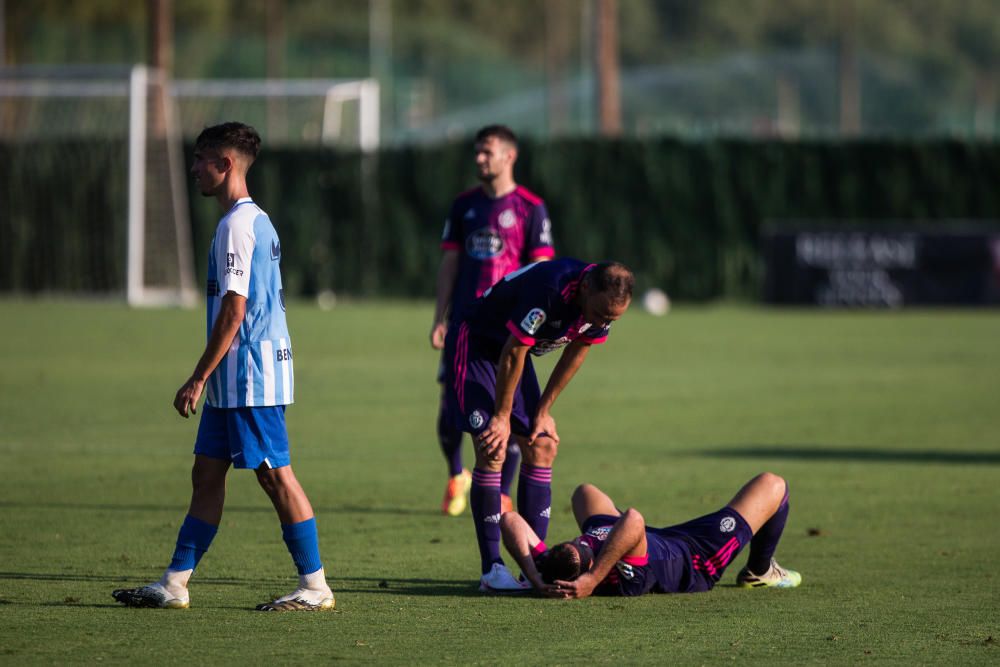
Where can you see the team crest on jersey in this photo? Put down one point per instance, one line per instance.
(533, 321)
(507, 219)
(476, 419)
(483, 244)
(727, 525)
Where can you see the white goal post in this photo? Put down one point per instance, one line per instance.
(146, 201)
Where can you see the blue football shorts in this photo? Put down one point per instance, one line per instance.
(249, 437)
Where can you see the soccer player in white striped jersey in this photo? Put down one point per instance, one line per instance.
(246, 373)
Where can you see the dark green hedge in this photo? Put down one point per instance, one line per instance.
(685, 215)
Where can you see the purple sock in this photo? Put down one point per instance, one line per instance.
(451, 444)
(484, 499)
(764, 543)
(510, 467)
(534, 497)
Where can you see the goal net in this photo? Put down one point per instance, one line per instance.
(97, 202)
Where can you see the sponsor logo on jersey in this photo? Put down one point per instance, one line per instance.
(507, 219)
(727, 525)
(545, 346)
(546, 513)
(626, 571)
(491, 518)
(483, 244)
(533, 321)
(600, 532)
(275, 250)
(546, 236)
(231, 265)
(476, 419)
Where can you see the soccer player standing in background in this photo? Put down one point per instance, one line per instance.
(490, 231)
(246, 373)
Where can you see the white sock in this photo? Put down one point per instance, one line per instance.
(314, 581)
(175, 581)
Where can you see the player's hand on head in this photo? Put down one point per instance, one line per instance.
(438, 332)
(580, 587)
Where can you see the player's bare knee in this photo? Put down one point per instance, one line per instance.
(581, 492)
(541, 453)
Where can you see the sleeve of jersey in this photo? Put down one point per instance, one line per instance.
(451, 238)
(234, 258)
(527, 318)
(540, 245)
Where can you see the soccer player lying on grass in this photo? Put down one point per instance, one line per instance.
(617, 554)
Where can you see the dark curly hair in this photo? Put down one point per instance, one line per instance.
(561, 562)
(238, 136)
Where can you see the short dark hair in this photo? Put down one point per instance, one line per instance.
(501, 132)
(561, 562)
(613, 279)
(238, 136)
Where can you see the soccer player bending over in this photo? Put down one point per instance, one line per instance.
(492, 390)
(246, 372)
(618, 554)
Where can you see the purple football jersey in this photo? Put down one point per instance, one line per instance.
(536, 304)
(494, 237)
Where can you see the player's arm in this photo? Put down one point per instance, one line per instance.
(447, 273)
(509, 370)
(522, 543)
(567, 366)
(627, 538)
(227, 325)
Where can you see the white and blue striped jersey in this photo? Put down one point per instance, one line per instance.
(245, 258)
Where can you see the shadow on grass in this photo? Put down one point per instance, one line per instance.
(860, 454)
(415, 586)
(239, 509)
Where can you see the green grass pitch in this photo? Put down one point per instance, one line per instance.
(887, 426)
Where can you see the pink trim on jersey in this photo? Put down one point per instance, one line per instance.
(451, 245)
(538, 549)
(596, 341)
(530, 196)
(547, 251)
(461, 358)
(516, 332)
(636, 560)
(571, 287)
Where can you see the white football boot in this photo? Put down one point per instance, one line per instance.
(500, 580)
